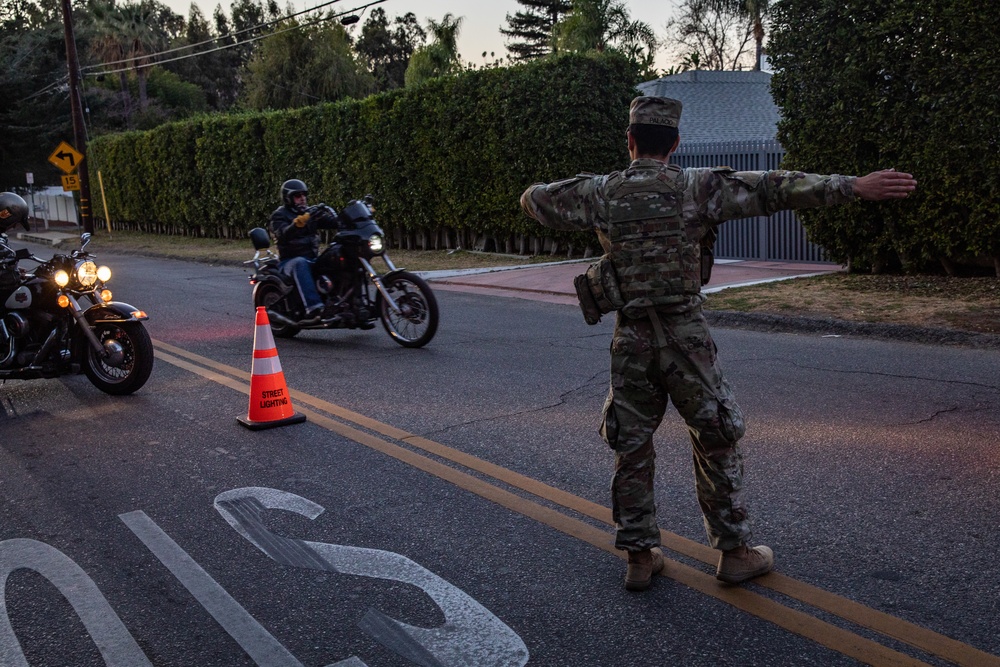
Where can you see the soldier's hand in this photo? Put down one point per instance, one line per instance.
(885, 184)
(301, 221)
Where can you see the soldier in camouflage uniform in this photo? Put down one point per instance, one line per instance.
(651, 219)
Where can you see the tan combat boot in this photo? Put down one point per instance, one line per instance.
(642, 565)
(743, 562)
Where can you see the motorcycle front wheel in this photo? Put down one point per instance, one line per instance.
(416, 321)
(267, 295)
(129, 363)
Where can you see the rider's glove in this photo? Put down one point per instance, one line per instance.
(301, 221)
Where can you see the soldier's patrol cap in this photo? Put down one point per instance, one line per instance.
(655, 111)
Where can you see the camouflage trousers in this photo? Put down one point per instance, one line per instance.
(652, 363)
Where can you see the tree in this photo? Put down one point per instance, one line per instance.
(531, 31)
(300, 65)
(387, 51)
(607, 25)
(132, 32)
(22, 15)
(34, 109)
(246, 16)
(755, 11)
(213, 70)
(229, 83)
(440, 57)
(108, 45)
(709, 34)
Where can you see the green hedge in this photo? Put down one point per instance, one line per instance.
(910, 84)
(446, 160)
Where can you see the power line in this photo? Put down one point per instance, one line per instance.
(230, 46)
(214, 39)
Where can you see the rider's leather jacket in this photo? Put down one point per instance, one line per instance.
(293, 241)
(296, 241)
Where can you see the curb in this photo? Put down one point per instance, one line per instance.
(830, 327)
(54, 239)
(458, 273)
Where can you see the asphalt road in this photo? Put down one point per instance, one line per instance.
(448, 505)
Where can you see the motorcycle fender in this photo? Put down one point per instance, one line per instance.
(390, 274)
(271, 280)
(113, 311)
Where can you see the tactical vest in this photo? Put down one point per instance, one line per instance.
(656, 256)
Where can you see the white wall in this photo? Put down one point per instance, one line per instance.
(53, 205)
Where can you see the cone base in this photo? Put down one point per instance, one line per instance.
(296, 418)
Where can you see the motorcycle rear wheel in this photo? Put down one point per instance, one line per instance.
(268, 294)
(417, 320)
(137, 361)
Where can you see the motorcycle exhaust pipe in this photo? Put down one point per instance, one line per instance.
(5, 337)
(281, 319)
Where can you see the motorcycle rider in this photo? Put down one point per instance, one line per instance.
(296, 230)
(13, 211)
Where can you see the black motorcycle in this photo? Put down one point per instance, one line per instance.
(354, 293)
(59, 320)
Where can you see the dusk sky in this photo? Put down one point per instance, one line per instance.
(482, 20)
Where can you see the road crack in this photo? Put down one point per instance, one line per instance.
(527, 411)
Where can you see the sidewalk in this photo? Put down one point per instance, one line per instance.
(553, 283)
(51, 237)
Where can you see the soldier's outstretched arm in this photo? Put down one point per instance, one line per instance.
(571, 204)
(722, 194)
(884, 184)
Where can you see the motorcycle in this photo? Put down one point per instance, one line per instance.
(353, 292)
(59, 320)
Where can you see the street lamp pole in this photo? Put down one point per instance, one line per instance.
(76, 107)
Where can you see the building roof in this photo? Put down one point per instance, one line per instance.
(720, 106)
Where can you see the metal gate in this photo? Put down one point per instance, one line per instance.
(780, 237)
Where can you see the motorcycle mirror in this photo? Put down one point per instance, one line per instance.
(84, 239)
(22, 253)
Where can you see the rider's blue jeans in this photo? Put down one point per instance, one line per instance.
(300, 269)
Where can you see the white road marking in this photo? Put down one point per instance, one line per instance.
(110, 635)
(259, 644)
(471, 634)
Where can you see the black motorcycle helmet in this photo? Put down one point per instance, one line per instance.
(289, 189)
(13, 210)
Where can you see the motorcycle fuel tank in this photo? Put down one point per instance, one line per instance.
(19, 299)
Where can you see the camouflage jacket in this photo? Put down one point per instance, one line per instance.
(708, 197)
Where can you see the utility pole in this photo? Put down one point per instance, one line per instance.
(76, 108)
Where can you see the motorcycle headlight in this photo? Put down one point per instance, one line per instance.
(376, 243)
(103, 274)
(86, 273)
(61, 278)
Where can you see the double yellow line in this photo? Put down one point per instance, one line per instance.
(744, 598)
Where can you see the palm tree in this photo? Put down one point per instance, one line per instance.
(755, 10)
(599, 25)
(130, 33)
(107, 46)
(139, 24)
(440, 57)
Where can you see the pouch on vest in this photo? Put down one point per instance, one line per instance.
(598, 290)
(591, 313)
(708, 255)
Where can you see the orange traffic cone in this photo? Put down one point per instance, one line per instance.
(270, 402)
